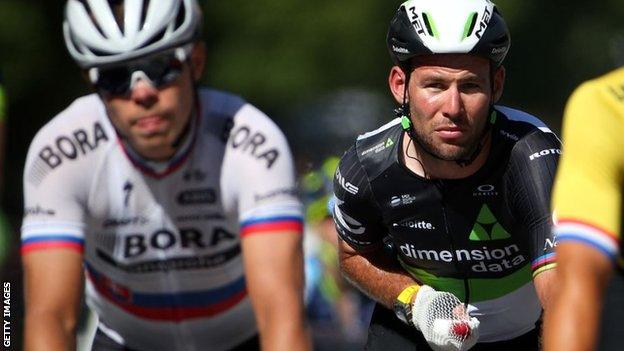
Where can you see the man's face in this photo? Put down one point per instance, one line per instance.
(150, 118)
(449, 98)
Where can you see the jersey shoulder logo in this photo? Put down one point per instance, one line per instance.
(617, 92)
(487, 228)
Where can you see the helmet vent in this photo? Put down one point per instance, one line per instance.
(93, 19)
(429, 25)
(146, 5)
(469, 26)
(180, 17)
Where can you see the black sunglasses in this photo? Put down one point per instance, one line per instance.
(160, 69)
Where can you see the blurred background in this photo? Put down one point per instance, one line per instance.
(318, 68)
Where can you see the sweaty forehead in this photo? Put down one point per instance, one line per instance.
(452, 62)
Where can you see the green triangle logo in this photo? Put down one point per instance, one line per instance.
(486, 219)
(389, 142)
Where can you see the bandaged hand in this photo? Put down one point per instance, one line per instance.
(443, 320)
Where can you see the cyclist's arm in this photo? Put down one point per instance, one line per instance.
(530, 180)
(374, 273)
(53, 288)
(262, 177)
(582, 276)
(360, 230)
(587, 200)
(273, 268)
(52, 238)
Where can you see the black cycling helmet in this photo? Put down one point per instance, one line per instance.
(424, 27)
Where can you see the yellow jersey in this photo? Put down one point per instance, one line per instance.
(587, 196)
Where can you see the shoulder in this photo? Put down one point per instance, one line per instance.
(597, 99)
(75, 134)
(217, 103)
(519, 122)
(251, 133)
(81, 115)
(377, 149)
(531, 138)
(366, 159)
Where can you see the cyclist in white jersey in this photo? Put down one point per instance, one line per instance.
(176, 203)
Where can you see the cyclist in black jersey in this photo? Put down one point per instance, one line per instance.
(448, 204)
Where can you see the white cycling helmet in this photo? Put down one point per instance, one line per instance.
(425, 27)
(94, 37)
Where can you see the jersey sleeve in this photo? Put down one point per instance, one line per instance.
(259, 175)
(356, 214)
(533, 165)
(53, 211)
(588, 191)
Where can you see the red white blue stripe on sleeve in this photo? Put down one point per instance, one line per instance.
(273, 218)
(589, 234)
(35, 243)
(47, 235)
(271, 224)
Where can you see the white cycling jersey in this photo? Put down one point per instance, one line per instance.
(161, 242)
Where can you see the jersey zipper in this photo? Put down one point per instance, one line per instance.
(458, 267)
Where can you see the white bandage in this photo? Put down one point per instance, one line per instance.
(443, 320)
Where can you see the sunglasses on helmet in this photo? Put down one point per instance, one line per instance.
(158, 70)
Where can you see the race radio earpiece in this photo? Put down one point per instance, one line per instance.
(405, 123)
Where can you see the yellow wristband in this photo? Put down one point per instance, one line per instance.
(408, 293)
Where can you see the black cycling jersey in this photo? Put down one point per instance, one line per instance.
(479, 237)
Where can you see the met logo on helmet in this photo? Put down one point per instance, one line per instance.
(484, 22)
(416, 20)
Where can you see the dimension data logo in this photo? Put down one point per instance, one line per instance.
(487, 227)
(379, 147)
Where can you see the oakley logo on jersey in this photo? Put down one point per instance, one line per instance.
(350, 188)
(253, 143)
(498, 260)
(346, 222)
(544, 153)
(485, 190)
(137, 244)
(69, 147)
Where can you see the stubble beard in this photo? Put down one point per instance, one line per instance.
(447, 152)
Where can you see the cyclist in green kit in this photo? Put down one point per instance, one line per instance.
(443, 213)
